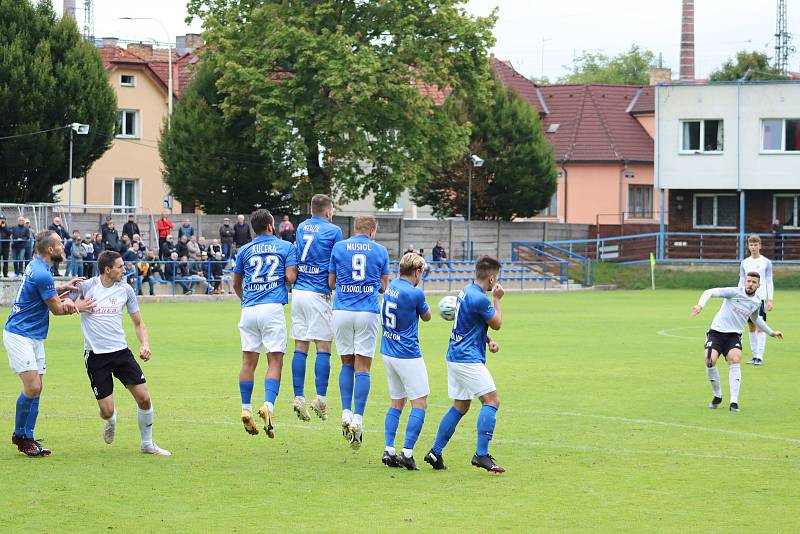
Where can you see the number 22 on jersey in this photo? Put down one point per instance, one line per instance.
(264, 266)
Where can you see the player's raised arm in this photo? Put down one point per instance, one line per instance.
(723, 292)
(497, 319)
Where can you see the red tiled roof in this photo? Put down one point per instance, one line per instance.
(644, 101)
(586, 123)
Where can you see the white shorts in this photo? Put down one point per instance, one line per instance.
(312, 315)
(408, 377)
(465, 380)
(24, 353)
(263, 325)
(356, 332)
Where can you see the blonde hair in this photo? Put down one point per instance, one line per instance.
(410, 262)
(366, 224)
(754, 239)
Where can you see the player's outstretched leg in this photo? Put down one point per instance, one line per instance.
(415, 421)
(446, 429)
(735, 380)
(144, 417)
(711, 356)
(298, 383)
(390, 424)
(322, 373)
(486, 424)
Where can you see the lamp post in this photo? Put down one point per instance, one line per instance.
(80, 129)
(474, 161)
(169, 61)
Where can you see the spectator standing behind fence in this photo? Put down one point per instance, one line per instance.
(5, 245)
(73, 242)
(226, 237)
(87, 247)
(28, 243)
(76, 254)
(63, 234)
(164, 229)
(110, 236)
(215, 265)
(777, 238)
(186, 229)
(20, 238)
(130, 228)
(241, 232)
(286, 229)
(439, 253)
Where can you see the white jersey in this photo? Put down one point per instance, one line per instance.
(763, 267)
(736, 309)
(102, 329)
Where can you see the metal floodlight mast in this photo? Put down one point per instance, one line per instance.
(475, 161)
(80, 129)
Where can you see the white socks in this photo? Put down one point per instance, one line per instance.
(735, 379)
(390, 450)
(754, 342)
(270, 406)
(358, 420)
(762, 344)
(713, 377)
(145, 420)
(347, 415)
(247, 408)
(408, 453)
(111, 420)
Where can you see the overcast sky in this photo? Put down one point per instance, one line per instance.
(567, 26)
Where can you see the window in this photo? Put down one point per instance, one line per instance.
(715, 211)
(701, 136)
(552, 209)
(780, 135)
(127, 123)
(127, 80)
(124, 195)
(784, 208)
(640, 201)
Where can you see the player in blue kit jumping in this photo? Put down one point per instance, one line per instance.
(359, 272)
(26, 329)
(312, 312)
(467, 375)
(403, 305)
(264, 267)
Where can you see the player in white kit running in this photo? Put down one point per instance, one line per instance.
(725, 336)
(756, 263)
(106, 350)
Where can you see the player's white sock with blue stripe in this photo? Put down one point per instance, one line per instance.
(322, 372)
(299, 372)
(713, 377)
(486, 422)
(145, 420)
(446, 429)
(361, 393)
(271, 389)
(21, 418)
(390, 424)
(246, 392)
(415, 421)
(735, 380)
(346, 382)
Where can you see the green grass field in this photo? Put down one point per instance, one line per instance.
(603, 426)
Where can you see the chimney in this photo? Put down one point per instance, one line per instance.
(110, 41)
(144, 51)
(658, 75)
(687, 41)
(180, 44)
(194, 41)
(69, 9)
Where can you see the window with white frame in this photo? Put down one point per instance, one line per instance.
(128, 123)
(552, 209)
(640, 201)
(780, 135)
(127, 80)
(702, 135)
(784, 208)
(714, 211)
(124, 195)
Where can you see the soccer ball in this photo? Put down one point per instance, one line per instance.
(447, 308)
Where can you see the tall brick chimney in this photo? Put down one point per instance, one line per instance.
(687, 41)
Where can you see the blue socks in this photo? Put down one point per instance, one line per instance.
(486, 421)
(33, 413)
(23, 411)
(361, 392)
(246, 391)
(415, 422)
(299, 372)
(346, 380)
(322, 372)
(271, 388)
(390, 425)
(446, 429)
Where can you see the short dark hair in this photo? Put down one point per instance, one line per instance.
(107, 259)
(486, 266)
(754, 275)
(45, 239)
(260, 220)
(319, 203)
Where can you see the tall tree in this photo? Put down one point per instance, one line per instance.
(346, 94)
(49, 78)
(210, 160)
(628, 68)
(749, 65)
(518, 176)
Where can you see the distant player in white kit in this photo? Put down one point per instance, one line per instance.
(725, 336)
(106, 350)
(756, 263)
(312, 312)
(264, 267)
(359, 271)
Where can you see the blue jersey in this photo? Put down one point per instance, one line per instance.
(262, 265)
(30, 316)
(359, 263)
(402, 305)
(315, 239)
(468, 338)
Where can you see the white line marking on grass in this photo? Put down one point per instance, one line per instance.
(668, 332)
